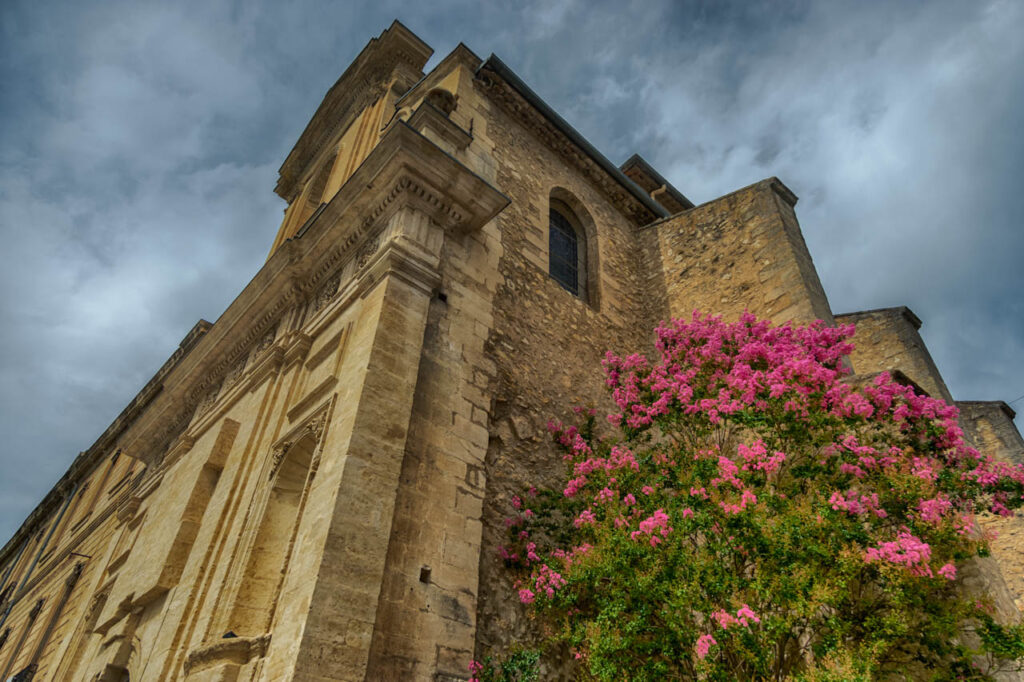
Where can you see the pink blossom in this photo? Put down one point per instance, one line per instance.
(703, 645)
(652, 526)
(604, 496)
(585, 518)
(547, 580)
(526, 596)
(744, 614)
(723, 618)
(756, 458)
(907, 550)
(856, 504)
(948, 571)
(746, 498)
(933, 510)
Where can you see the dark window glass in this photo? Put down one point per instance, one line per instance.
(562, 250)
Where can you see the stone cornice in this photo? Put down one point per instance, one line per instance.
(429, 119)
(404, 171)
(365, 80)
(500, 91)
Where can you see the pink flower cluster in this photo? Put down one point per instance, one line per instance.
(703, 645)
(744, 364)
(906, 550)
(746, 498)
(744, 617)
(856, 504)
(934, 510)
(619, 458)
(756, 458)
(652, 526)
(586, 518)
(548, 580)
(568, 558)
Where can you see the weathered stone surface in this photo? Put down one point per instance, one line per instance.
(887, 339)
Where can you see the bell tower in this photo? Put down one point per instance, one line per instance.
(347, 125)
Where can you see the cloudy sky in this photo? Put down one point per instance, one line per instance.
(140, 141)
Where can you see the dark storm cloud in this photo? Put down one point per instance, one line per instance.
(139, 144)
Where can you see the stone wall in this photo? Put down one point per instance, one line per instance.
(888, 339)
(742, 251)
(547, 344)
(988, 426)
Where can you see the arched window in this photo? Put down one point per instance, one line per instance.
(571, 250)
(564, 251)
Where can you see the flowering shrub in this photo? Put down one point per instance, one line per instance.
(755, 516)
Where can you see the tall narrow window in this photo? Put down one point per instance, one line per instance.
(564, 251)
(572, 246)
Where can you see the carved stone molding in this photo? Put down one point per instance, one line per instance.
(234, 650)
(314, 426)
(317, 425)
(208, 400)
(265, 340)
(327, 291)
(235, 372)
(277, 455)
(366, 251)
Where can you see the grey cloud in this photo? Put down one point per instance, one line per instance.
(139, 143)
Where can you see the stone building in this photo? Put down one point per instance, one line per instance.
(312, 487)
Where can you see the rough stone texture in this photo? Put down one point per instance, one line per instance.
(888, 339)
(743, 251)
(314, 487)
(537, 326)
(989, 427)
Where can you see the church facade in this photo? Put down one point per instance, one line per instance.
(313, 487)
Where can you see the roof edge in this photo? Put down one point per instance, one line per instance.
(638, 160)
(901, 310)
(499, 67)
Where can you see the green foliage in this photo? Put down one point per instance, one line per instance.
(754, 516)
(522, 665)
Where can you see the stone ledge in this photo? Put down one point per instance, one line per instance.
(233, 651)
